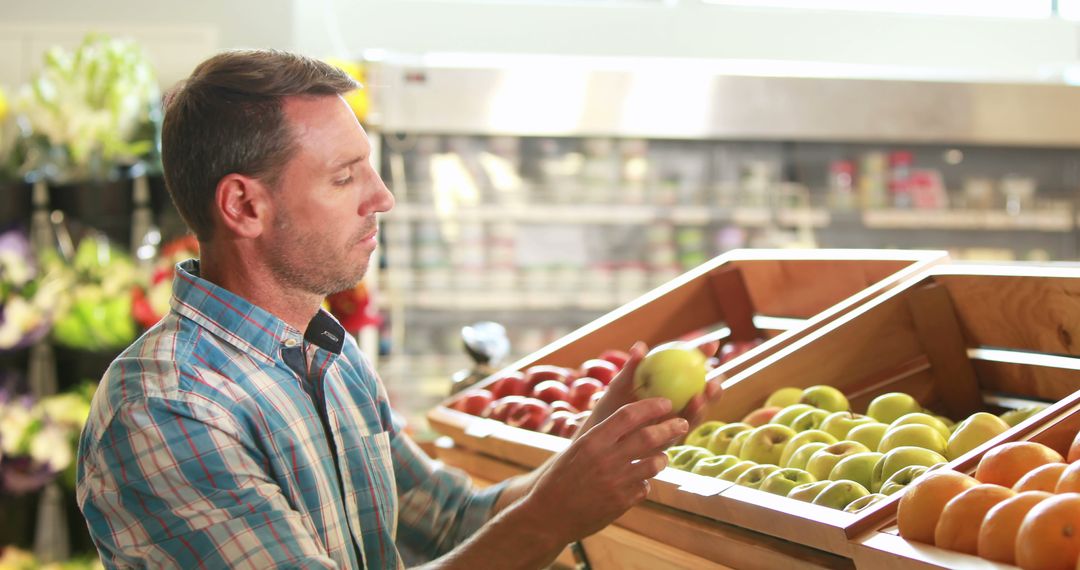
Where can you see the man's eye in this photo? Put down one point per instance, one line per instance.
(343, 181)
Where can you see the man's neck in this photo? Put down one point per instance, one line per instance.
(256, 283)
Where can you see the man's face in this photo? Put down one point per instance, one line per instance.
(325, 202)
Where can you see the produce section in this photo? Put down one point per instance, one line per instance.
(819, 441)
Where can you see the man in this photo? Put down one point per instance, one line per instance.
(247, 430)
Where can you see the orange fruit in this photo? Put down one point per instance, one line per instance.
(1074, 449)
(1049, 537)
(997, 537)
(958, 527)
(1069, 482)
(1005, 464)
(922, 502)
(1042, 478)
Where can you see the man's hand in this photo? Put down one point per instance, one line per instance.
(621, 390)
(604, 472)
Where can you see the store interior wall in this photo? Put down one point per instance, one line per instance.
(965, 48)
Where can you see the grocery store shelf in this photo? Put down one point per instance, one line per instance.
(614, 214)
(1043, 221)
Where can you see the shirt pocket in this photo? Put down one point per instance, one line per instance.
(373, 475)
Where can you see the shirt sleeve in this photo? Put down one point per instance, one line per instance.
(439, 506)
(170, 484)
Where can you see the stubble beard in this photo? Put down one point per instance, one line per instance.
(308, 264)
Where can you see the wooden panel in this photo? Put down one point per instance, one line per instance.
(615, 548)
(1035, 313)
(796, 288)
(731, 296)
(879, 339)
(1038, 382)
(724, 544)
(890, 552)
(939, 331)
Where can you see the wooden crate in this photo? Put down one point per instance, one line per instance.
(882, 546)
(960, 339)
(782, 295)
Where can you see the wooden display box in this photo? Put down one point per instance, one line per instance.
(882, 547)
(781, 295)
(960, 339)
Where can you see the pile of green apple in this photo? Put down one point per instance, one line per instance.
(808, 445)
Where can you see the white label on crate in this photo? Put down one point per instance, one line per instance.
(704, 486)
(482, 428)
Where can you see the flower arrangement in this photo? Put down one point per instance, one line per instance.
(38, 439)
(27, 297)
(12, 558)
(91, 109)
(94, 313)
(151, 303)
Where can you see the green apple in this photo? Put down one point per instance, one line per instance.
(858, 467)
(886, 408)
(977, 429)
(863, 502)
(766, 444)
(902, 478)
(786, 416)
(840, 494)
(802, 455)
(783, 397)
(720, 440)
(753, 476)
(948, 423)
(868, 434)
(802, 438)
(735, 447)
(685, 458)
(822, 462)
(701, 434)
(807, 492)
(826, 398)
(674, 370)
(838, 424)
(732, 473)
(921, 418)
(1014, 417)
(899, 458)
(810, 419)
(918, 435)
(715, 465)
(782, 481)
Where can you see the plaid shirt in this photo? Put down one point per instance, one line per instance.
(226, 438)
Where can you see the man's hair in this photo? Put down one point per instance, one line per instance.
(228, 117)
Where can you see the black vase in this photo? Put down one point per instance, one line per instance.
(103, 205)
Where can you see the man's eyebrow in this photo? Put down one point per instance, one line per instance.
(347, 162)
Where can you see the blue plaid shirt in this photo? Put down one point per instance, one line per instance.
(226, 438)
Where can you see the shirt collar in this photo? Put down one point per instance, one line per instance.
(241, 323)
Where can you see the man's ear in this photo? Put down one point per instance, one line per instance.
(241, 205)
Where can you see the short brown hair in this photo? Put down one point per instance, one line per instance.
(228, 118)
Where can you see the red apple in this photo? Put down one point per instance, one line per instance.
(616, 357)
(595, 399)
(529, 414)
(602, 370)
(510, 384)
(473, 402)
(501, 408)
(551, 390)
(582, 390)
(537, 374)
(563, 405)
(557, 422)
(760, 416)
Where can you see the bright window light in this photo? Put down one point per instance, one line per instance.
(987, 8)
(1069, 9)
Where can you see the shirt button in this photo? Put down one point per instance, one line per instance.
(290, 342)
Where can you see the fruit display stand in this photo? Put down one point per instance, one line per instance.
(783, 295)
(960, 339)
(1056, 427)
